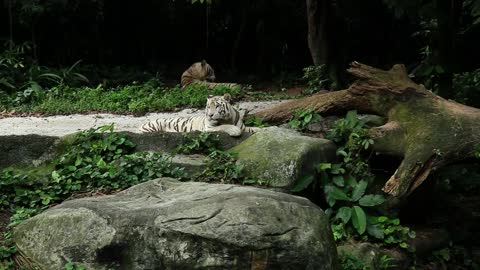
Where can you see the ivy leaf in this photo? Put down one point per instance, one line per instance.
(333, 194)
(303, 183)
(344, 213)
(101, 163)
(371, 200)
(359, 190)
(359, 219)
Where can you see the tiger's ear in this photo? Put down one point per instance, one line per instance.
(204, 62)
(210, 96)
(227, 97)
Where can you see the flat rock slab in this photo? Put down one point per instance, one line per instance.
(167, 224)
(31, 150)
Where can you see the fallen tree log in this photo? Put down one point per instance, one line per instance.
(424, 129)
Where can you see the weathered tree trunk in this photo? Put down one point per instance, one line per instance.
(426, 130)
(317, 12)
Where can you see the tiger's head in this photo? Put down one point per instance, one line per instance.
(219, 110)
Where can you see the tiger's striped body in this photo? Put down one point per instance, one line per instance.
(220, 115)
(202, 73)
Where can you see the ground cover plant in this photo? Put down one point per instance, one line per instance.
(95, 161)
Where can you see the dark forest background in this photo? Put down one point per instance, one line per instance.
(262, 38)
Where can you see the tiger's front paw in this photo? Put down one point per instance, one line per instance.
(233, 131)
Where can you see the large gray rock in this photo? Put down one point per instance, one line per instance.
(280, 157)
(167, 224)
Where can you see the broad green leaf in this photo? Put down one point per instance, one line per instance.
(337, 169)
(351, 115)
(338, 180)
(308, 118)
(382, 219)
(342, 153)
(333, 194)
(351, 181)
(371, 200)
(344, 213)
(101, 163)
(375, 231)
(359, 219)
(294, 123)
(303, 183)
(359, 190)
(324, 166)
(78, 161)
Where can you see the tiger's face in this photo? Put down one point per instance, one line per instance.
(218, 108)
(203, 71)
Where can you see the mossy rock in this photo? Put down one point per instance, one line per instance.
(168, 224)
(280, 157)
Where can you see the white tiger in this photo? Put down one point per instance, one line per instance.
(220, 115)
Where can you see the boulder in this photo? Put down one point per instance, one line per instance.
(167, 224)
(280, 157)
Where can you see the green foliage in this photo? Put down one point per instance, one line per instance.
(7, 247)
(348, 261)
(385, 262)
(222, 167)
(202, 143)
(135, 98)
(317, 78)
(66, 76)
(390, 231)
(95, 161)
(345, 186)
(255, 121)
(302, 118)
(466, 87)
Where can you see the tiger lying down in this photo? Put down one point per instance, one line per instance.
(220, 115)
(202, 73)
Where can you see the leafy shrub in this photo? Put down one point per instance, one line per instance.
(317, 78)
(95, 161)
(255, 121)
(467, 88)
(222, 167)
(348, 261)
(203, 143)
(345, 185)
(302, 118)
